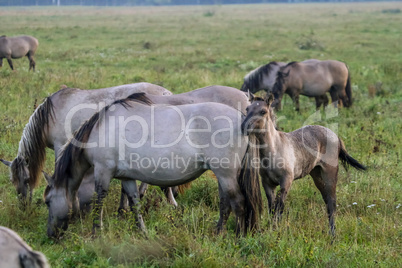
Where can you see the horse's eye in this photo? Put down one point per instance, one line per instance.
(247, 109)
(263, 112)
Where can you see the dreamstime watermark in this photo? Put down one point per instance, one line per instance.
(165, 127)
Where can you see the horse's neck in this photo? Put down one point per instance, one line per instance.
(270, 139)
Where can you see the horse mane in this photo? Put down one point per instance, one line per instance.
(70, 152)
(280, 75)
(32, 146)
(253, 78)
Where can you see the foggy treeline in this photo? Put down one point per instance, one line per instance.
(147, 2)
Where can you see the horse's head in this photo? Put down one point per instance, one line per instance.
(59, 206)
(19, 176)
(258, 114)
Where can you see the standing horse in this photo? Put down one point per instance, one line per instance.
(313, 78)
(160, 145)
(15, 253)
(18, 47)
(262, 78)
(51, 125)
(220, 94)
(285, 157)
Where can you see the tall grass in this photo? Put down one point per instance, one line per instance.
(183, 48)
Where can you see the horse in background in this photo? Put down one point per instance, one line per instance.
(262, 78)
(15, 253)
(18, 47)
(313, 78)
(285, 157)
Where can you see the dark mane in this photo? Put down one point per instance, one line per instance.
(290, 63)
(253, 79)
(280, 76)
(32, 146)
(71, 152)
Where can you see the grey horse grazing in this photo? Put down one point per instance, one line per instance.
(15, 253)
(285, 157)
(262, 78)
(18, 47)
(52, 124)
(204, 136)
(313, 78)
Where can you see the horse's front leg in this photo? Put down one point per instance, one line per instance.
(281, 196)
(1, 62)
(133, 196)
(270, 194)
(102, 183)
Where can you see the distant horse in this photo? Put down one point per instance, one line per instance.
(18, 47)
(49, 126)
(262, 78)
(285, 157)
(15, 253)
(313, 78)
(143, 146)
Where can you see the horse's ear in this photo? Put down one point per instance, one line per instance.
(5, 162)
(249, 95)
(48, 178)
(270, 99)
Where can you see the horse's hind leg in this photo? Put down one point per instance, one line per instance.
(10, 62)
(321, 100)
(123, 202)
(169, 195)
(325, 180)
(334, 96)
(230, 193)
(31, 61)
(224, 210)
(131, 190)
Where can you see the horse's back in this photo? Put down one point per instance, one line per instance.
(230, 96)
(193, 133)
(14, 252)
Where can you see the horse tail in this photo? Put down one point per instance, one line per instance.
(249, 183)
(348, 90)
(183, 187)
(33, 143)
(347, 160)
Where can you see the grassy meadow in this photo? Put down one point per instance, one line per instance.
(183, 48)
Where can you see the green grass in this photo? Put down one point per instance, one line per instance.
(183, 48)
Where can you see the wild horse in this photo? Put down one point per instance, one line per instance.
(313, 78)
(18, 47)
(285, 157)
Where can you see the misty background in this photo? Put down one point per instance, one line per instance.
(151, 2)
